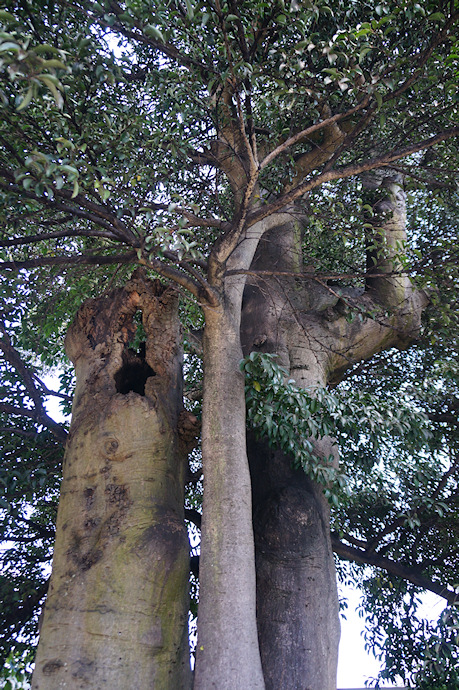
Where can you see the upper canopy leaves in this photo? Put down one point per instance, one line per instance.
(126, 121)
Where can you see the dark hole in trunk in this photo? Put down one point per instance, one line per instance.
(134, 373)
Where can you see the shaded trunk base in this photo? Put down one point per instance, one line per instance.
(297, 602)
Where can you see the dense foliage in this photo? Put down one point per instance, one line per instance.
(109, 124)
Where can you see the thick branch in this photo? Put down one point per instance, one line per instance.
(308, 275)
(413, 575)
(305, 133)
(14, 358)
(81, 259)
(39, 413)
(41, 418)
(348, 171)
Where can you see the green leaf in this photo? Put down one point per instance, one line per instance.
(436, 17)
(378, 99)
(47, 48)
(9, 46)
(70, 170)
(7, 17)
(52, 82)
(27, 98)
(189, 9)
(54, 64)
(28, 182)
(153, 32)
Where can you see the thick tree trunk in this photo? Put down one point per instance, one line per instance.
(304, 322)
(297, 601)
(227, 653)
(117, 609)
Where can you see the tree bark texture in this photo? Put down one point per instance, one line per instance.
(304, 321)
(117, 610)
(227, 651)
(297, 601)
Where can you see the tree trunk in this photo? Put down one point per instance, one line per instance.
(297, 601)
(227, 652)
(304, 322)
(117, 609)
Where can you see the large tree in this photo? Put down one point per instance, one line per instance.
(256, 156)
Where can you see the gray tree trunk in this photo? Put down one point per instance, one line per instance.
(116, 615)
(304, 322)
(228, 654)
(227, 651)
(297, 603)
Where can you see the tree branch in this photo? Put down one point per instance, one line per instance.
(199, 288)
(41, 418)
(193, 516)
(347, 171)
(32, 239)
(39, 413)
(166, 49)
(305, 133)
(25, 609)
(19, 432)
(411, 574)
(444, 480)
(64, 201)
(81, 259)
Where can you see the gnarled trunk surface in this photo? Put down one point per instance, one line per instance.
(117, 609)
(297, 601)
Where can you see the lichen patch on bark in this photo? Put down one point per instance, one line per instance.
(52, 666)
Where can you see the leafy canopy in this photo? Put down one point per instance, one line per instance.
(129, 132)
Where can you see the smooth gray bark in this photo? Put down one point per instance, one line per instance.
(227, 651)
(297, 603)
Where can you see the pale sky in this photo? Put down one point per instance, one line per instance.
(355, 665)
